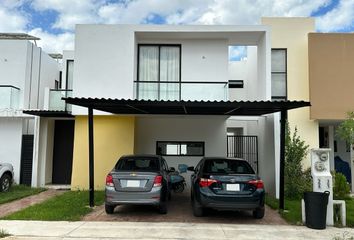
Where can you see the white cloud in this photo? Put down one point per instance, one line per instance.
(70, 12)
(52, 43)
(339, 18)
(11, 18)
(237, 52)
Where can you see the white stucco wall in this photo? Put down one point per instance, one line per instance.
(10, 143)
(211, 130)
(106, 55)
(13, 63)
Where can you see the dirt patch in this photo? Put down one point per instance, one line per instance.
(180, 210)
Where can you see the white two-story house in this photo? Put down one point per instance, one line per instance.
(168, 65)
(25, 72)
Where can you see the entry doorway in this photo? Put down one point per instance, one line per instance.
(63, 151)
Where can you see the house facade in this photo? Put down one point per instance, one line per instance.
(177, 63)
(25, 72)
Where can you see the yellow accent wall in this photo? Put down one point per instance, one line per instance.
(113, 137)
(292, 34)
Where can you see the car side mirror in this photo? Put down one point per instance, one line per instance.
(171, 169)
(191, 169)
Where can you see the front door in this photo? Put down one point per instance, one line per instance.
(63, 151)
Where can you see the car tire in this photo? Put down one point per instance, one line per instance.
(109, 209)
(258, 213)
(5, 183)
(198, 210)
(163, 207)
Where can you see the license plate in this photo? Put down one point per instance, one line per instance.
(133, 183)
(233, 187)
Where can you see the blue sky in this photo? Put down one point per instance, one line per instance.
(54, 20)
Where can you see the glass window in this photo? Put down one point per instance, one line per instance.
(279, 74)
(138, 164)
(158, 72)
(228, 166)
(69, 74)
(180, 148)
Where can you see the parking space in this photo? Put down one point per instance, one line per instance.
(180, 210)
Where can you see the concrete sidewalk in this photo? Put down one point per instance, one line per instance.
(144, 230)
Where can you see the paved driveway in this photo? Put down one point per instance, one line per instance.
(180, 210)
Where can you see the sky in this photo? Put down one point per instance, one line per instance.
(54, 20)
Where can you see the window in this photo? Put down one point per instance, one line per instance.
(159, 72)
(173, 148)
(138, 164)
(215, 166)
(69, 74)
(279, 74)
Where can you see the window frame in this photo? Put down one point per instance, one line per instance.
(159, 45)
(67, 73)
(180, 143)
(286, 75)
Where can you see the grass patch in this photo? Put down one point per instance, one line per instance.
(18, 192)
(70, 206)
(272, 202)
(292, 213)
(349, 204)
(3, 233)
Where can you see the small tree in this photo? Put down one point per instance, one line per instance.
(346, 129)
(296, 181)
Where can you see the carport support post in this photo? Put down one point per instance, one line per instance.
(91, 157)
(283, 119)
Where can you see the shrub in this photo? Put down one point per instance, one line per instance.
(341, 188)
(297, 181)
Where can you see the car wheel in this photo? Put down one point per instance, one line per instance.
(5, 183)
(258, 213)
(163, 207)
(109, 209)
(198, 210)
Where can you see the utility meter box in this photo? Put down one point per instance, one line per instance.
(322, 178)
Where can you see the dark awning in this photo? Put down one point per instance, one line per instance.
(49, 113)
(227, 108)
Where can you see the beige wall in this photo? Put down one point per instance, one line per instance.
(291, 33)
(331, 62)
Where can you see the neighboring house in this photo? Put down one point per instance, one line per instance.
(331, 73)
(25, 72)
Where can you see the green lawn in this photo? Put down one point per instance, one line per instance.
(17, 192)
(70, 206)
(292, 213)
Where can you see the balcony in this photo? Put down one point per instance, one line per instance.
(9, 97)
(193, 91)
(55, 100)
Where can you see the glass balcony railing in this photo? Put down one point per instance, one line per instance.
(193, 91)
(9, 97)
(55, 100)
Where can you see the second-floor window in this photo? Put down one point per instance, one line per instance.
(279, 74)
(69, 74)
(159, 72)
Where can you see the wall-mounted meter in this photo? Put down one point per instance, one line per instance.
(322, 178)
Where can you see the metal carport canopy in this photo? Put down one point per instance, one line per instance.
(161, 107)
(223, 108)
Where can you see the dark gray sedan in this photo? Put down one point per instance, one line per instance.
(139, 180)
(226, 184)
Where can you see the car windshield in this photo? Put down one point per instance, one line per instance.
(228, 166)
(138, 164)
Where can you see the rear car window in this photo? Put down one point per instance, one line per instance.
(228, 166)
(138, 164)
